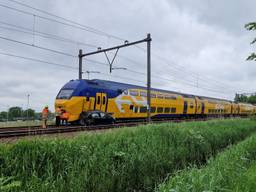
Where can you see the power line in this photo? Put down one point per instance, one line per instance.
(90, 29)
(44, 35)
(39, 47)
(185, 82)
(81, 27)
(37, 60)
(60, 65)
(68, 20)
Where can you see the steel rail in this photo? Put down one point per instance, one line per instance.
(36, 130)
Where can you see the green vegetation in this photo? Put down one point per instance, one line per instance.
(251, 27)
(8, 184)
(245, 99)
(17, 113)
(123, 160)
(233, 170)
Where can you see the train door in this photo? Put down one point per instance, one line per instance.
(185, 107)
(104, 102)
(202, 108)
(101, 102)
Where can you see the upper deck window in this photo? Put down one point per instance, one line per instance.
(160, 96)
(153, 95)
(134, 93)
(143, 94)
(65, 94)
(170, 97)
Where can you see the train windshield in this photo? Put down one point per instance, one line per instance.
(65, 94)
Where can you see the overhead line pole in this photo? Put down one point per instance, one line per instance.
(126, 44)
(148, 78)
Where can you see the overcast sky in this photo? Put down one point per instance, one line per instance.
(198, 46)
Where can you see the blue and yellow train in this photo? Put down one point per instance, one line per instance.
(126, 101)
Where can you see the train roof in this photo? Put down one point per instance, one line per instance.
(123, 86)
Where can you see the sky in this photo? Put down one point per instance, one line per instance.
(198, 47)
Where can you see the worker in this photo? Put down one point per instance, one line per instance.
(45, 114)
(64, 117)
(58, 115)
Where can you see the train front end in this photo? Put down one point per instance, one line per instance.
(71, 98)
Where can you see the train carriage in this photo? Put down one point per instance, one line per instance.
(126, 101)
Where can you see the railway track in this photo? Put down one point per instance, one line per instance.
(37, 130)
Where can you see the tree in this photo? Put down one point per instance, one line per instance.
(15, 112)
(252, 99)
(3, 116)
(251, 27)
(241, 98)
(30, 113)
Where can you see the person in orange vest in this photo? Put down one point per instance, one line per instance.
(64, 117)
(45, 114)
(58, 113)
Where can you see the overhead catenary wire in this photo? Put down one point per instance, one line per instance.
(184, 82)
(66, 40)
(56, 21)
(43, 34)
(36, 46)
(61, 65)
(188, 83)
(45, 12)
(42, 11)
(67, 20)
(37, 60)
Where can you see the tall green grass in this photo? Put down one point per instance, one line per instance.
(132, 159)
(233, 170)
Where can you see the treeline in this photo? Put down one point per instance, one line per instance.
(245, 99)
(17, 113)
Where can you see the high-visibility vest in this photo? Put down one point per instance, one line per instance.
(45, 113)
(65, 115)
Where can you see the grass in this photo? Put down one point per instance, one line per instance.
(233, 170)
(124, 160)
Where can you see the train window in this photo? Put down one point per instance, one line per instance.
(136, 109)
(160, 110)
(171, 97)
(104, 100)
(131, 107)
(160, 96)
(167, 110)
(65, 94)
(98, 100)
(173, 110)
(153, 95)
(143, 94)
(134, 93)
(143, 109)
(191, 105)
(153, 109)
